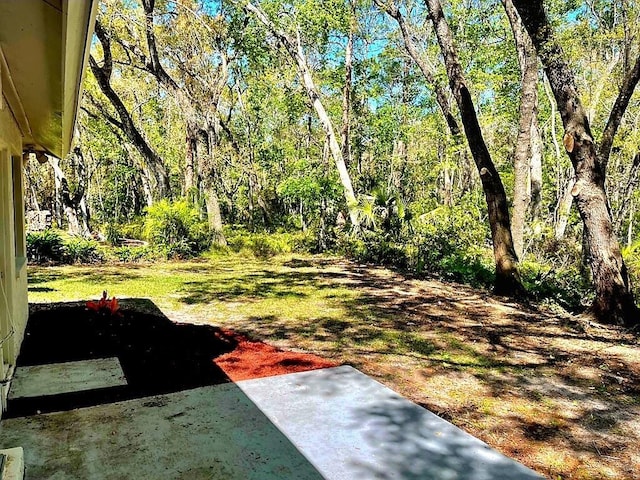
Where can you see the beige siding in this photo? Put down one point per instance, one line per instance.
(13, 274)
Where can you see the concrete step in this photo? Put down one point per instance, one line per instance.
(13, 468)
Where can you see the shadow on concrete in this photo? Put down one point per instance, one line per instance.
(156, 355)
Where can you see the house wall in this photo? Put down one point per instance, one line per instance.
(13, 271)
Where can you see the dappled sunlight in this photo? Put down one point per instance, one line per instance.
(556, 392)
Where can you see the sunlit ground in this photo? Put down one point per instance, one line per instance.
(558, 394)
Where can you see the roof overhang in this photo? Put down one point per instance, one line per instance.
(44, 46)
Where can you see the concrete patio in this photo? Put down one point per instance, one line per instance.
(334, 423)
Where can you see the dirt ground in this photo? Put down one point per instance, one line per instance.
(556, 392)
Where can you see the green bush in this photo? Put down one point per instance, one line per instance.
(79, 250)
(176, 229)
(450, 242)
(373, 247)
(445, 233)
(135, 253)
(566, 286)
(265, 245)
(113, 234)
(134, 229)
(44, 247)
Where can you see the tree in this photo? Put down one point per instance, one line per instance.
(73, 202)
(124, 121)
(525, 187)
(294, 49)
(614, 302)
(507, 277)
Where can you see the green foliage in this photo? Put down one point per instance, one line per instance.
(564, 286)
(133, 229)
(176, 229)
(453, 242)
(48, 246)
(135, 254)
(449, 242)
(631, 256)
(79, 250)
(265, 245)
(44, 247)
(553, 271)
(112, 234)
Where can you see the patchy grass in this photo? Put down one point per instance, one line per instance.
(557, 393)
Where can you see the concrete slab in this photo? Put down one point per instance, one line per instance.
(58, 378)
(333, 424)
(14, 464)
(212, 433)
(352, 427)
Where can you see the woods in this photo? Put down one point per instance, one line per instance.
(493, 143)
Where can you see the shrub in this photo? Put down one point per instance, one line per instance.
(566, 286)
(265, 245)
(79, 250)
(444, 233)
(135, 253)
(113, 234)
(45, 246)
(176, 229)
(134, 230)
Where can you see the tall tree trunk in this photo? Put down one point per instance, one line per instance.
(507, 277)
(528, 108)
(190, 165)
(614, 301)
(77, 222)
(563, 209)
(630, 227)
(125, 122)
(294, 48)
(213, 214)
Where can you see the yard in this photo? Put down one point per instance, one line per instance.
(555, 392)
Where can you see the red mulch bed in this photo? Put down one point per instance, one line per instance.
(254, 359)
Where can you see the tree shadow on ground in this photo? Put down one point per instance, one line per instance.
(540, 382)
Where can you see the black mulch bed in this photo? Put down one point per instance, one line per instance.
(157, 355)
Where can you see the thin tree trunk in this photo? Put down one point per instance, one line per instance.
(507, 277)
(528, 108)
(295, 51)
(626, 197)
(536, 168)
(630, 227)
(614, 302)
(346, 93)
(190, 163)
(563, 209)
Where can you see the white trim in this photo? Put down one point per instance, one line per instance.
(80, 15)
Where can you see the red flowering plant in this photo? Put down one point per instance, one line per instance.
(104, 305)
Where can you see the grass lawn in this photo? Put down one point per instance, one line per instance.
(557, 393)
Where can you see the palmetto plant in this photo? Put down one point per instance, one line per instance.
(383, 211)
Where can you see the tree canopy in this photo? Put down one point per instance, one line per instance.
(493, 142)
